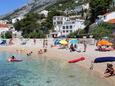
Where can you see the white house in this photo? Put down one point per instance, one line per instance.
(4, 27)
(45, 12)
(65, 25)
(108, 17)
(14, 20)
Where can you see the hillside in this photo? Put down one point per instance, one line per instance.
(38, 5)
(33, 5)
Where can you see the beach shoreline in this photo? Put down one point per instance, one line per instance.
(65, 55)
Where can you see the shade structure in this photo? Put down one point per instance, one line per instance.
(104, 43)
(73, 41)
(104, 59)
(63, 42)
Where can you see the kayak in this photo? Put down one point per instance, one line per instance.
(76, 60)
(104, 59)
(14, 60)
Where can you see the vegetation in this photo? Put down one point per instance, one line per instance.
(77, 34)
(102, 30)
(30, 26)
(62, 5)
(7, 35)
(33, 26)
(98, 32)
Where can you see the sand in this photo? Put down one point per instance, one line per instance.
(64, 54)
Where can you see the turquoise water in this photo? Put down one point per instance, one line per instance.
(42, 71)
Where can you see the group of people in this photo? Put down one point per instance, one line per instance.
(75, 47)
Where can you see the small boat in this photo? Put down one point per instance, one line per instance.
(77, 60)
(104, 59)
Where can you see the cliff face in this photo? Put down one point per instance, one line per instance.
(32, 5)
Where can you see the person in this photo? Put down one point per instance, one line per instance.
(76, 47)
(40, 51)
(13, 58)
(44, 43)
(28, 54)
(34, 41)
(85, 46)
(72, 48)
(109, 70)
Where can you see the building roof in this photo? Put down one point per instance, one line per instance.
(3, 26)
(112, 21)
(109, 16)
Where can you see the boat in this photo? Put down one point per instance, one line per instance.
(76, 60)
(104, 59)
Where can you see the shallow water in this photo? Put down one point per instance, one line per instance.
(45, 72)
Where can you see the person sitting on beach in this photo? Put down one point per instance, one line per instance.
(72, 48)
(28, 54)
(45, 50)
(40, 51)
(109, 70)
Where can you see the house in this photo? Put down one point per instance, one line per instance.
(65, 25)
(5, 27)
(44, 12)
(108, 17)
(14, 20)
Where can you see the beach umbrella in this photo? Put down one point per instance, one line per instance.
(56, 42)
(104, 43)
(63, 42)
(73, 41)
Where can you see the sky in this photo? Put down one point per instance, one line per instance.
(7, 6)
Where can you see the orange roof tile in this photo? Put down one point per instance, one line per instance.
(112, 21)
(3, 26)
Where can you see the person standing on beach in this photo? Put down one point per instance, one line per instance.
(85, 46)
(43, 43)
(34, 40)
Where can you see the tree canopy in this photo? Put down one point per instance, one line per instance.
(102, 30)
(30, 26)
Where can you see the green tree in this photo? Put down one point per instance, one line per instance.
(102, 30)
(29, 25)
(7, 35)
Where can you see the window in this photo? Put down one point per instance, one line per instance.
(54, 18)
(59, 22)
(66, 27)
(71, 27)
(63, 27)
(63, 31)
(67, 31)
